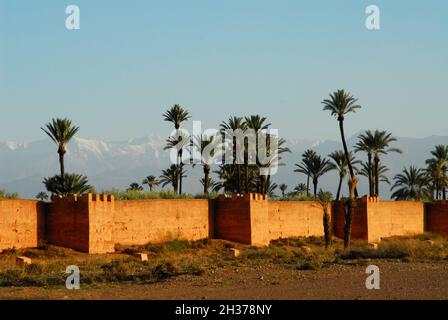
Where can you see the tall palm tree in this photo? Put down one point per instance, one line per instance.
(179, 143)
(176, 115)
(437, 168)
(171, 176)
(411, 184)
(364, 171)
(324, 199)
(283, 187)
(271, 159)
(366, 144)
(340, 163)
(61, 131)
(151, 181)
(257, 124)
(340, 104)
(307, 157)
(227, 129)
(382, 140)
(206, 146)
(316, 168)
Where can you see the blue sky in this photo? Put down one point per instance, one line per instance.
(131, 60)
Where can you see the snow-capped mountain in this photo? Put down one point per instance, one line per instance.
(116, 164)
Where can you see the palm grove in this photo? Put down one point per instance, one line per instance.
(244, 176)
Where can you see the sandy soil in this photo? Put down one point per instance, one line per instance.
(398, 281)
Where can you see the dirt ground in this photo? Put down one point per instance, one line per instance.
(423, 280)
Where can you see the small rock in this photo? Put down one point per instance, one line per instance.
(261, 278)
(373, 246)
(141, 256)
(306, 249)
(233, 252)
(430, 242)
(23, 261)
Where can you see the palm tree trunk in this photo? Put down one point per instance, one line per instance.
(339, 187)
(377, 176)
(315, 181)
(344, 144)
(369, 156)
(180, 171)
(308, 186)
(327, 228)
(262, 184)
(246, 173)
(348, 222)
(61, 164)
(238, 169)
(206, 174)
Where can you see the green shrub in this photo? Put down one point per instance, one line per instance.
(145, 195)
(8, 195)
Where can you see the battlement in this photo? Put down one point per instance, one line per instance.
(242, 197)
(370, 199)
(88, 197)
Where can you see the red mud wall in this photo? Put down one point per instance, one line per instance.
(21, 223)
(141, 222)
(394, 218)
(437, 217)
(295, 218)
(232, 220)
(67, 222)
(359, 224)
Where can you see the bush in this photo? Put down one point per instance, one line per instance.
(145, 195)
(8, 195)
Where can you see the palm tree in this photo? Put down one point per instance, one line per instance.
(42, 196)
(255, 123)
(411, 184)
(206, 146)
(366, 144)
(316, 167)
(270, 188)
(305, 167)
(171, 176)
(71, 184)
(134, 186)
(61, 131)
(283, 188)
(340, 163)
(364, 171)
(307, 156)
(151, 181)
(349, 207)
(178, 143)
(324, 199)
(437, 169)
(227, 129)
(271, 159)
(382, 140)
(340, 104)
(301, 188)
(209, 184)
(176, 115)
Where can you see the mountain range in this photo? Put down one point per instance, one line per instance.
(117, 164)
